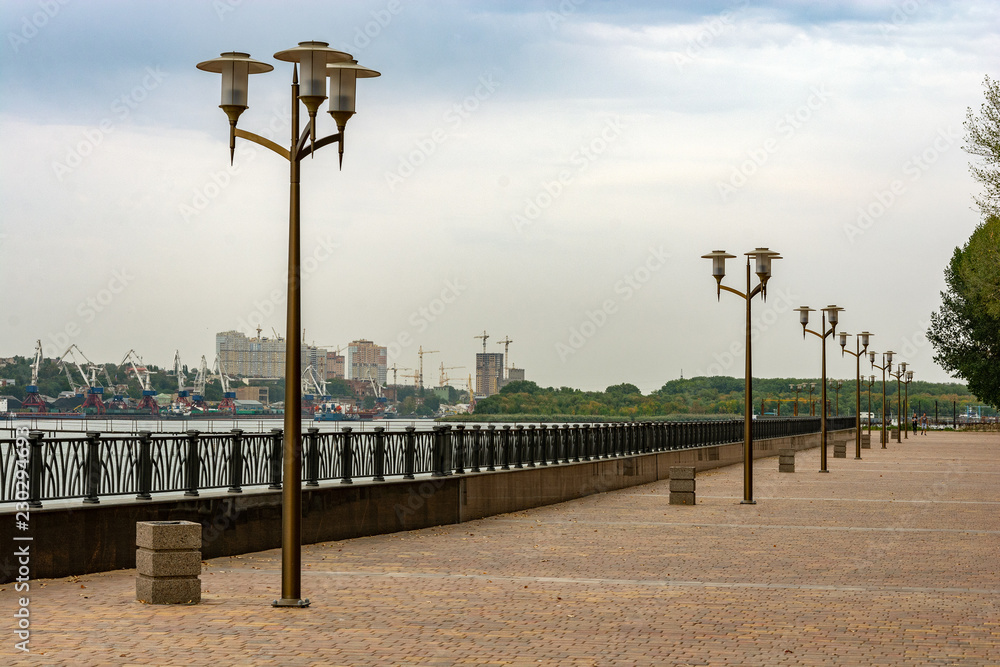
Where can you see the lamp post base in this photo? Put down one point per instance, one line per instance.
(857, 458)
(824, 471)
(748, 502)
(290, 602)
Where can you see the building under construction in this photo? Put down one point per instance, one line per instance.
(262, 357)
(489, 373)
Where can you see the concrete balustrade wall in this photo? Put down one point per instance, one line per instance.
(72, 538)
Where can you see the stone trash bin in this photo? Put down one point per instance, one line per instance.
(866, 441)
(786, 460)
(168, 562)
(682, 485)
(839, 445)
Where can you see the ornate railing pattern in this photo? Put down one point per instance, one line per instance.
(95, 465)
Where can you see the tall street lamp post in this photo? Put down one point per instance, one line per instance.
(836, 386)
(886, 366)
(762, 258)
(317, 63)
(861, 347)
(812, 405)
(796, 388)
(870, 381)
(831, 313)
(906, 401)
(900, 408)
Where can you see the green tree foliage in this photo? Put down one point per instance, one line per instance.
(519, 387)
(722, 396)
(965, 331)
(982, 139)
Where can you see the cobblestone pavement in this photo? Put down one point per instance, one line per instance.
(890, 560)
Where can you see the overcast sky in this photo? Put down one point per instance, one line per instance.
(548, 171)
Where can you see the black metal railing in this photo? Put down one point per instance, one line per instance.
(95, 465)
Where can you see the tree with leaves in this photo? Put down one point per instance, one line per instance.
(965, 331)
(982, 139)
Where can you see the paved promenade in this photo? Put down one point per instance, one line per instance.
(890, 560)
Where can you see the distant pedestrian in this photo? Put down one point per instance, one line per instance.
(923, 422)
(915, 422)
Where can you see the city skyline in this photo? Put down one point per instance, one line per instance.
(548, 171)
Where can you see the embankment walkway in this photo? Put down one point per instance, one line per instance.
(890, 560)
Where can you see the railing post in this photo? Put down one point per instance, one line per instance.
(379, 475)
(437, 453)
(93, 467)
(35, 468)
(519, 446)
(585, 441)
(347, 457)
(275, 459)
(193, 467)
(409, 453)
(505, 448)
(530, 448)
(477, 447)
(236, 461)
(491, 444)
(577, 437)
(312, 457)
(144, 466)
(543, 444)
(460, 449)
(566, 440)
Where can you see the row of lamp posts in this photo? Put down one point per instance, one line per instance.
(831, 317)
(330, 74)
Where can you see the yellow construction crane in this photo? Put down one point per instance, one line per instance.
(421, 352)
(395, 369)
(415, 376)
(444, 378)
(506, 355)
(484, 337)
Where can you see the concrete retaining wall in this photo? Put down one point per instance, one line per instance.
(80, 538)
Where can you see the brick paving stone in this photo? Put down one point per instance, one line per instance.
(886, 561)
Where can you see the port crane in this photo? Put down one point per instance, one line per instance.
(182, 393)
(33, 401)
(142, 374)
(198, 398)
(444, 378)
(421, 352)
(94, 388)
(228, 403)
